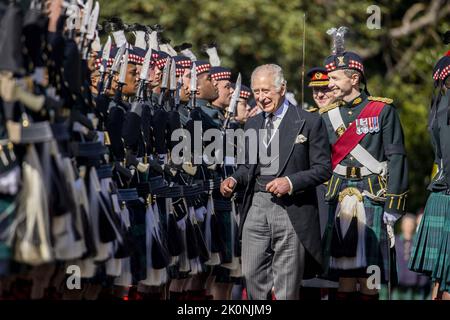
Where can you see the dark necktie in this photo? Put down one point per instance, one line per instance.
(269, 127)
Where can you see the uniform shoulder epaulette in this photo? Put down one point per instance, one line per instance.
(381, 99)
(330, 107)
(312, 109)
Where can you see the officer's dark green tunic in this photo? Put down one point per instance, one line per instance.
(385, 145)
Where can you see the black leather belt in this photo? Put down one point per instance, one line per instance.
(88, 149)
(31, 133)
(127, 194)
(105, 171)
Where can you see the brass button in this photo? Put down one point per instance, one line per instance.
(350, 112)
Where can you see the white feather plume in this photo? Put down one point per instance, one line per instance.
(214, 59)
(338, 39)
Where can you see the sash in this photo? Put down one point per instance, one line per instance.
(351, 138)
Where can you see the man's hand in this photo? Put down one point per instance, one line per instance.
(279, 186)
(252, 112)
(53, 9)
(227, 187)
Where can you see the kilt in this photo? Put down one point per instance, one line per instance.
(376, 239)
(7, 206)
(138, 256)
(441, 271)
(428, 239)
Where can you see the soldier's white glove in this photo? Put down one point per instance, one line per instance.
(391, 235)
(390, 219)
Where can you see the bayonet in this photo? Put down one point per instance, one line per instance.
(90, 32)
(117, 58)
(143, 76)
(104, 64)
(193, 85)
(105, 55)
(123, 68)
(173, 83)
(146, 65)
(177, 92)
(115, 66)
(122, 77)
(164, 81)
(73, 16)
(86, 16)
(234, 101)
(84, 24)
(173, 76)
(93, 22)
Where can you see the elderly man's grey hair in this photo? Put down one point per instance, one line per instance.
(278, 75)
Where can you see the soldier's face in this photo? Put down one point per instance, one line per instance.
(185, 87)
(206, 87)
(268, 98)
(95, 77)
(130, 86)
(323, 96)
(155, 77)
(225, 92)
(341, 84)
(242, 110)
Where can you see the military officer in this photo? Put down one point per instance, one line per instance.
(367, 192)
(317, 288)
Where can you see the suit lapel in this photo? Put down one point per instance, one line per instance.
(289, 128)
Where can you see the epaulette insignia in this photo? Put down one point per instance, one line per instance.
(330, 107)
(381, 99)
(312, 109)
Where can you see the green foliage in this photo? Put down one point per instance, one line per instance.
(254, 32)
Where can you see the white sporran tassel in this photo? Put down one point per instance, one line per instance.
(350, 206)
(125, 278)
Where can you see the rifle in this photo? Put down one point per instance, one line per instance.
(164, 82)
(122, 76)
(193, 86)
(141, 94)
(104, 64)
(114, 67)
(233, 102)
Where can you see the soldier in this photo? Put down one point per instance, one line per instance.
(368, 188)
(316, 288)
(430, 251)
(243, 108)
(318, 82)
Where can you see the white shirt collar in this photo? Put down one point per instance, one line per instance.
(281, 111)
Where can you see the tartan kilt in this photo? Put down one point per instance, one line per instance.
(376, 239)
(428, 239)
(7, 206)
(224, 219)
(441, 272)
(138, 253)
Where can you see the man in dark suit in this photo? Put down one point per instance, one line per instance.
(279, 225)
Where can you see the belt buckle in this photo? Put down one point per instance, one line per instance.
(353, 173)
